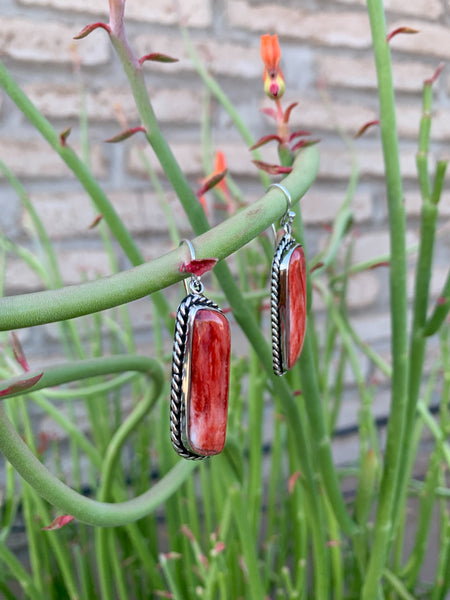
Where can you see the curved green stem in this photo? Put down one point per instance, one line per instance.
(55, 305)
(91, 390)
(84, 509)
(70, 502)
(83, 369)
(118, 440)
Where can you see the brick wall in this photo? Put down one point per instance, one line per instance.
(328, 68)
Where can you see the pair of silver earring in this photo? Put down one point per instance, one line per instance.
(202, 344)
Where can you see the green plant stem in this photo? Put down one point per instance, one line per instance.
(83, 369)
(441, 310)
(256, 591)
(437, 432)
(256, 411)
(397, 585)
(398, 302)
(20, 573)
(412, 568)
(429, 215)
(109, 464)
(86, 510)
(54, 305)
(93, 389)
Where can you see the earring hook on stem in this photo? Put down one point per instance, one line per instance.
(194, 285)
(289, 215)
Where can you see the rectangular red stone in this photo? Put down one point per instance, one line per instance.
(207, 402)
(296, 325)
(292, 305)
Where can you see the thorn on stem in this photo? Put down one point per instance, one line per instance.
(211, 182)
(90, 28)
(400, 30)
(123, 135)
(264, 140)
(365, 127)
(157, 57)
(272, 169)
(18, 352)
(95, 222)
(64, 135)
(436, 74)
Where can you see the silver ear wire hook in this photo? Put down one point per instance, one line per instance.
(195, 285)
(289, 215)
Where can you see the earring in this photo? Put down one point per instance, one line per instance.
(200, 374)
(288, 295)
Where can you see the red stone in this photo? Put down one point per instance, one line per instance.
(297, 305)
(210, 369)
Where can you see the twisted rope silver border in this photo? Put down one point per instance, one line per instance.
(278, 359)
(177, 404)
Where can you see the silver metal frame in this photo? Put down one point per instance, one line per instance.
(181, 372)
(279, 303)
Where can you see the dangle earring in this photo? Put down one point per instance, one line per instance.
(288, 295)
(200, 374)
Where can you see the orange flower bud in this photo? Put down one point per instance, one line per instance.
(273, 77)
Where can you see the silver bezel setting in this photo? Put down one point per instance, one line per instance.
(181, 372)
(279, 303)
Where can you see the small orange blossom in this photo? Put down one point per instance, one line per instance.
(273, 76)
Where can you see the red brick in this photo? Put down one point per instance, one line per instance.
(373, 328)
(189, 156)
(195, 13)
(33, 158)
(351, 72)
(438, 278)
(363, 291)
(48, 42)
(432, 39)
(75, 266)
(313, 114)
(335, 161)
(429, 9)
(64, 101)
(220, 58)
(321, 205)
(349, 29)
(371, 246)
(413, 204)
(408, 122)
(69, 214)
